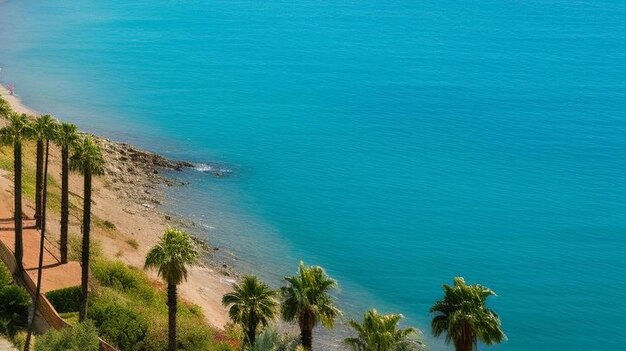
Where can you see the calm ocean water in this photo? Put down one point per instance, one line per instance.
(398, 144)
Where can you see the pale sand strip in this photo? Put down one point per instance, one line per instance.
(15, 101)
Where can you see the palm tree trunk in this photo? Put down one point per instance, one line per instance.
(465, 341)
(41, 248)
(252, 323)
(306, 331)
(64, 201)
(171, 310)
(82, 313)
(17, 216)
(38, 185)
(306, 335)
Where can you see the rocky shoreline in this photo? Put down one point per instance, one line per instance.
(137, 175)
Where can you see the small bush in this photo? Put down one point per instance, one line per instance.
(133, 243)
(65, 300)
(14, 303)
(120, 325)
(108, 224)
(81, 337)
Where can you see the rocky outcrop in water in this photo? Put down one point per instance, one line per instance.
(136, 174)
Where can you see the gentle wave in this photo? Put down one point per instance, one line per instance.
(216, 170)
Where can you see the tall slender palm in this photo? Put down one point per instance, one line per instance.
(5, 109)
(49, 133)
(252, 302)
(87, 159)
(41, 127)
(171, 258)
(14, 133)
(66, 137)
(380, 332)
(307, 299)
(464, 318)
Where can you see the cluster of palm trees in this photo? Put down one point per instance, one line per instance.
(85, 158)
(461, 314)
(306, 299)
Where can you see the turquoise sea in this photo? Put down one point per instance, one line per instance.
(396, 143)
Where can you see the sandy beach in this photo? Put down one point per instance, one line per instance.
(129, 195)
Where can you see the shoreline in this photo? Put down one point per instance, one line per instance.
(129, 195)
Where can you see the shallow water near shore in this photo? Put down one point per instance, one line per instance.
(396, 144)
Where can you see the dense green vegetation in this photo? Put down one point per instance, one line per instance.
(14, 303)
(81, 337)
(65, 300)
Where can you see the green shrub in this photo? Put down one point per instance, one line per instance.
(5, 275)
(120, 325)
(65, 300)
(14, 303)
(269, 339)
(133, 243)
(116, 274)
(108, 224)
(191, 335)
(133, 283)
(81, 337)
(70, 317)
(130, 312)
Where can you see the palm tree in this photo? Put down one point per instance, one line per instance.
(171, 258)
(14, 133)
(464, 318)
(41, 127)
(49, 133)
(380, 332)
(87, 159)
(5, 109)
(252, 302)
(67, 136)
(306, 298)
